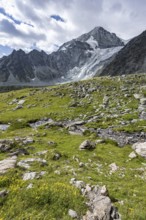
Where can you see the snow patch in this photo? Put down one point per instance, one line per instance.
(92, 42)
(94, 64)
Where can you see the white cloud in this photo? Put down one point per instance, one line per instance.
(124, 17)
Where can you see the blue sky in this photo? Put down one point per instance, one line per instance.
(46, 24)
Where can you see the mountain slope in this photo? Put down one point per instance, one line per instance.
(131, 59)
(41, 134)
(77, 59)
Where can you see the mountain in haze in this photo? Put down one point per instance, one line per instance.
(77, 59)
(130, 59)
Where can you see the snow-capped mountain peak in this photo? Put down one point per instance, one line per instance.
(77, 59)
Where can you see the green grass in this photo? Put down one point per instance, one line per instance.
(52, 195)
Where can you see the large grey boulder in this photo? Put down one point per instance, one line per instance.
(140, 148)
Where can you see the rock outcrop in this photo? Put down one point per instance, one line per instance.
(99, 203)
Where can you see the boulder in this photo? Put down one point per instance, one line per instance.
(140, 148)
(7, 164)
(26, 163)
(87, 145)
(99, 203)
(32, 175)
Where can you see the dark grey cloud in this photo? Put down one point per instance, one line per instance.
(10, 29)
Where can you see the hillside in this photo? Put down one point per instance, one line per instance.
(41, 132)
(131, 59)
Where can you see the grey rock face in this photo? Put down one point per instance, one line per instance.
(18, 65)
(131, 59)
(63, 65)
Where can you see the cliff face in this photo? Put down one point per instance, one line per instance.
(131, 59)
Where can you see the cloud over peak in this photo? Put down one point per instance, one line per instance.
(25, 23)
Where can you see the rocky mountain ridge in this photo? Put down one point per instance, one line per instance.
(77, 59)
(131, 59)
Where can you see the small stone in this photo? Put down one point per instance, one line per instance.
(51, 143)
(88, 188)
(79, 184)
(29, 176)
(99, 141)
(105, 100)
(72, 213)
(81, 164)
(28, 141)
(103, 191)
(137, 96)
(3, 193)
(87, 145)
(143, 101)
(57, 156)
(57, 172)
(18, 107)
(42, 152)
(30, 186)
(72, 181)
(132, 155)
(113, 167)
(21, 102)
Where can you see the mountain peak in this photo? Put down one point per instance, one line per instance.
(104, 38)
(98, 28)
(77, 59)
(20, 51)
